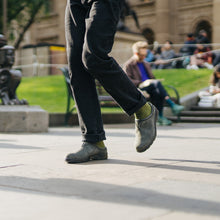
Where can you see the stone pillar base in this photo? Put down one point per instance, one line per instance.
(23, 119)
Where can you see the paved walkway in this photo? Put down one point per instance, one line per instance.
(177, 178)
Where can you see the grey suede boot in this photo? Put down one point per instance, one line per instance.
(87, 152)
(145, 130)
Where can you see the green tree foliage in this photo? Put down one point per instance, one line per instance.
(24, 12)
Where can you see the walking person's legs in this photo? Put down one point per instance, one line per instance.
(90, 31)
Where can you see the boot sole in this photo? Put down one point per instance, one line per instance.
(90, 158)
(143, 149)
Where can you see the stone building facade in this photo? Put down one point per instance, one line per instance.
(159, 20)
(49, 28)
(172, 19)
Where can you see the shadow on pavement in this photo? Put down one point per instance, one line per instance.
(109, 193)
(188, 161)
(16, 146)
(188, 137)
(172, 166)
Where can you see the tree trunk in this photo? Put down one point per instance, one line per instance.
(27, 26)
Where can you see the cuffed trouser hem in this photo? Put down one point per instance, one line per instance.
(93, 138)
(142, 102)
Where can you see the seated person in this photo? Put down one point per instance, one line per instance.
(212, 96)
(189, 45)
(185, 52)
(139, 71)
(203, 37)
(167, 53)
(150, 56)
(216, 60)
(202, 57)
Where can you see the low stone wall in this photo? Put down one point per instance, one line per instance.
(58, 119)
(23, 119)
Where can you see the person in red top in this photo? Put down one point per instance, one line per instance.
(202, 57)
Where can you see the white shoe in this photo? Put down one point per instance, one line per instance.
(208, 66)
(194, 67)
(188, 67)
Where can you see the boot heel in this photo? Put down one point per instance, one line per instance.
(100, 156)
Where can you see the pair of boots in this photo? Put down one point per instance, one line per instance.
(145, 134)
(176, 109)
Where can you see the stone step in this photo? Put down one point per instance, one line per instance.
(198, 108)
(201, 113)
(195, 119)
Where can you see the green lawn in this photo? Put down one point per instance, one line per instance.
(50, 92)
(185, 81)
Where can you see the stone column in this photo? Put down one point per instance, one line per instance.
(216, 21)
(60, 9)
(173, 26)
(162, 20)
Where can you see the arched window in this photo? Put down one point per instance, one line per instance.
(204, 25)
(149, 35)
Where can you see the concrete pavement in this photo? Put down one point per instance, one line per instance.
(177, 178)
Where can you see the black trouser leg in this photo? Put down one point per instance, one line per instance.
(90, 34)
(83, 85)
(99, 37)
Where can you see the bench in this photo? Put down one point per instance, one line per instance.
(104, 98)
(69, 109)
